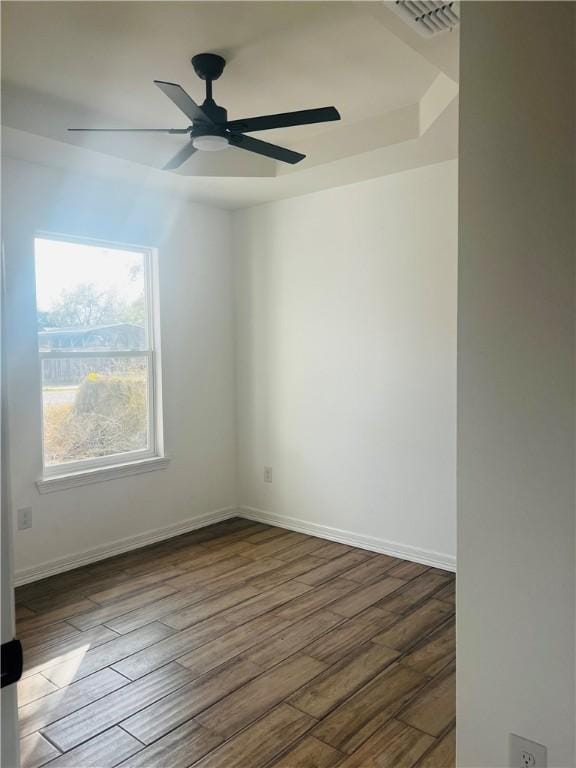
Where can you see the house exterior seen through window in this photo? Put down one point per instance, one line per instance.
(97, 341)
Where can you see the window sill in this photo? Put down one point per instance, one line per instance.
(100, 475)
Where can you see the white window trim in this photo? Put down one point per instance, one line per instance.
(73, 474)
(100, 474)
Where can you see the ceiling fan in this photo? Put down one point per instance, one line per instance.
(211, 130)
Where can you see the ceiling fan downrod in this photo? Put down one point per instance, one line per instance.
(208, 67)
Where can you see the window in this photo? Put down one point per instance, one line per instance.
(97, 341)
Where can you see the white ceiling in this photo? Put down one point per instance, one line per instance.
(92, 64)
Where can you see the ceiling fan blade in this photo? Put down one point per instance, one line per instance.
(284, 120)
(180, 157)
(178, 96)
(130, 130)
(264, 148)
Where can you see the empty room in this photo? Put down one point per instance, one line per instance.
(287, 341)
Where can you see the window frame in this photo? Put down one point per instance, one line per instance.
(140, 459)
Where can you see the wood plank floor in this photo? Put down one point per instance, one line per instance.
(239, 646)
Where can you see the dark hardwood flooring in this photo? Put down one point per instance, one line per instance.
(239, 646)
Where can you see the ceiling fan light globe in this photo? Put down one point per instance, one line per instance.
(210, 143)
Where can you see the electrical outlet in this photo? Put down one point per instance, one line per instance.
(527, 759)
(24, 518)
(267, 474)
(526, 754)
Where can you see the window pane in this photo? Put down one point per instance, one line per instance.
(90, 297)
(94, 407)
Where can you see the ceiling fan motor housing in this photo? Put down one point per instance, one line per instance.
(214, 112)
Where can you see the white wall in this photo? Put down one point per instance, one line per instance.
(197, 356)
(346, 359)
(516, 565)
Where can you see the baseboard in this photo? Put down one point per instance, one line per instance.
(404, 551)
(52, 567)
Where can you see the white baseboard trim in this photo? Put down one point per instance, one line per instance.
(52, 567)
(404, 551)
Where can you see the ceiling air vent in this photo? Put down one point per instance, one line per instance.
(428, 17)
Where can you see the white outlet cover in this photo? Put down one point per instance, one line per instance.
(24, 518)
(521, 749)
